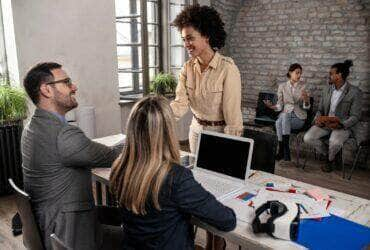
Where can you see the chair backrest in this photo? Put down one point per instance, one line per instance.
(261, 109)
(56, 243)
(264, 150)
(31, 233)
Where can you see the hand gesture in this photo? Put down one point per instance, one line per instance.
(268, 103)
(305, 97)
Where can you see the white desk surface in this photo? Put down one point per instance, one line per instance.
(355, 209)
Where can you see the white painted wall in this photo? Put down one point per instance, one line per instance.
(81, 36)
(10, 46)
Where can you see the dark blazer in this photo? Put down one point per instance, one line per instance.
(57, 161)
(180, 197)
(349, 106)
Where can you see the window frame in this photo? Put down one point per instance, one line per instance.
(4, 78)
(163, 46)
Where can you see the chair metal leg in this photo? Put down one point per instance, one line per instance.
(297, 151)
(342, 163)
(304, 161)
(355, 162)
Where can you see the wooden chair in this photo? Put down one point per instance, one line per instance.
(31, 233)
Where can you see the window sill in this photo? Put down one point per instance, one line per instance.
(129, 98)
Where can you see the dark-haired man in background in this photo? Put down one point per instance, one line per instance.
(57, 160)
(338, 113)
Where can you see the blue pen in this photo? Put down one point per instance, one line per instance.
(304, 209)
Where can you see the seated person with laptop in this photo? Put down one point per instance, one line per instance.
(157, 195)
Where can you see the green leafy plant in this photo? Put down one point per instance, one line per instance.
(163, 84)
(13, 103)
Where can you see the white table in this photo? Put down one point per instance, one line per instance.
(355, 209)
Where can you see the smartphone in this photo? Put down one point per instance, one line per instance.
(187, 161)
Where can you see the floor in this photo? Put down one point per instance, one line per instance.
(359, 185)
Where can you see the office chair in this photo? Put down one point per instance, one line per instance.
(56, 243)
(31, 233)
(364, 145)
(264, 115)
(264, 150)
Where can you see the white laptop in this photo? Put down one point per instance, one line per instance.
(222, 162)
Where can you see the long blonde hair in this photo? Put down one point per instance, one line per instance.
(151, 149)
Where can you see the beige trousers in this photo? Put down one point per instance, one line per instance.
(336, 140)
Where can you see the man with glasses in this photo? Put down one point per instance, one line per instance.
(57, 160)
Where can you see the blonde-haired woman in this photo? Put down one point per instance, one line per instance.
(157, 195)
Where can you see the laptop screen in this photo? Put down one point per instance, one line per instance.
(229, 155)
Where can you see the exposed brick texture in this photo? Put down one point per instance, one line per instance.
(266, 36)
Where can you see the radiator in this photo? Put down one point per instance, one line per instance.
(10, 156)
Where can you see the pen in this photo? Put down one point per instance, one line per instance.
(327, 206)
(304, 209)
(251, 175)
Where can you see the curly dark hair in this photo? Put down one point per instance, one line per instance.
(206, 20)
(343, 68)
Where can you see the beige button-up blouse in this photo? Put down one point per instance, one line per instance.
(289, 99)
(213, 95)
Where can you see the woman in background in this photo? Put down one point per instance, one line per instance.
(157, 195)
(293, 102)
(209, 83)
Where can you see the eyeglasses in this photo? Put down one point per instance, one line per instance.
(66, 81)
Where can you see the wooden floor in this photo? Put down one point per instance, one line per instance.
(359, 185)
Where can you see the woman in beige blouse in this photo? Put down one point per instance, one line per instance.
(293, 102)
(209, 83)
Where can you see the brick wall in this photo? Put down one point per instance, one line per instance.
(229, 11)
(266, 36)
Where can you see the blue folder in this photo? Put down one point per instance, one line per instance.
(333, 232)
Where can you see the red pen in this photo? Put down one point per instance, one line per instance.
(327, 205)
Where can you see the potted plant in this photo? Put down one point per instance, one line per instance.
(13, 110)
(164, 84)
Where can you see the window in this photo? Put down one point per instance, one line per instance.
(3, 62)
(146, 43)
(177, 52)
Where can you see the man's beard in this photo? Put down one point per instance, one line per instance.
(66, 103)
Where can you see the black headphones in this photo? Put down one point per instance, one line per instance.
(276, 210)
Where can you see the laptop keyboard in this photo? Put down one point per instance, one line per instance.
(214, 184)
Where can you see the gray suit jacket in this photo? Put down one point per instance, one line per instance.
(349, 106)
(57, 161)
